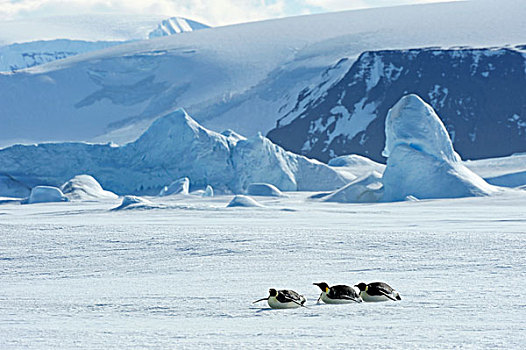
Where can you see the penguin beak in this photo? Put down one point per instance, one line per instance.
(257, 301)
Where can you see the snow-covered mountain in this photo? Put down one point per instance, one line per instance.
(175, 25)
(479, 93)
(92, 27)
(175, 146)
(22, 55)
(243, 77)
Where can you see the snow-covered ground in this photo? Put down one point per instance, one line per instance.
(78, 275)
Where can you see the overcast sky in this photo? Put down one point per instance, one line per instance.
(212, 12)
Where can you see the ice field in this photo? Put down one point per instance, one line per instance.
(184, 274)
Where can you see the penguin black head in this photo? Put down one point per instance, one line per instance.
(323, 286)
(273, 292)
(361, 286)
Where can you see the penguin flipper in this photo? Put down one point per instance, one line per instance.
(349, 297)
(387, 295)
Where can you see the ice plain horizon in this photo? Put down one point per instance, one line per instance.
(78, 275)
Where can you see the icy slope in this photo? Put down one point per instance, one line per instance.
(242, 77)
(175, 146)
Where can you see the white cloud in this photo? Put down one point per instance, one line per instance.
(335, 5)
(213, 12)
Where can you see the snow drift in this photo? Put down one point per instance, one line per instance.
(243, 201)
(174, 146)
(135, 202)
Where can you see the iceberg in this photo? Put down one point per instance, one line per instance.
(85, 187)
(421, 164)
(180, 186)
(421, 160)
(45, 194)
(209, 191)
(174, 146)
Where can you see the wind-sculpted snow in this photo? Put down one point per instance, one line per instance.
(244, 202)
(174, 146)
(135, 202)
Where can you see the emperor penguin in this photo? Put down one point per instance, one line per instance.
(284, 299)
(339, 294)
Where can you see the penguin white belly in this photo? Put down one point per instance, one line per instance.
(328, 300)
(275, 304)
